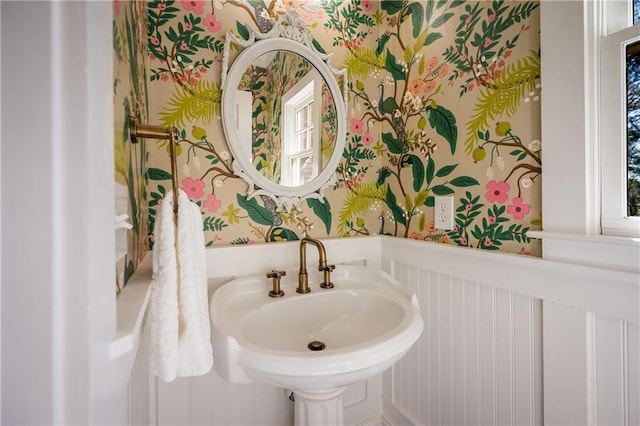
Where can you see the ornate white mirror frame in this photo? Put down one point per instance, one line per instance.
(289, 33)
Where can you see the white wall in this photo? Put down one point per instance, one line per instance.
(58, 302)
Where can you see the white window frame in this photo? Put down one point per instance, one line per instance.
(300, 94)
(618, 33)
(570, 33)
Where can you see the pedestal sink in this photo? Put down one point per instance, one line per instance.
(315, 344)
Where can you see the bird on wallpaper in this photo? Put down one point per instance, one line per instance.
(381, 231)
(271, 205)
(386, 106)
(263, 19)
(390, 106)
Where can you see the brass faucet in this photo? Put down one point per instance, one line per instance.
(303, 276)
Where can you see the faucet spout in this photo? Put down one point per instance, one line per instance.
(303, 276)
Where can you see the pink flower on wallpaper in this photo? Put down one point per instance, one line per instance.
(356, 126)
(194, 188)
(212, 204)
(487, 242)
(116, 7)
(443, 70)
(497, 192)
(517, 209)
(367, 139)
(162, 6)
(184, 46)
(196, 6)
(211, 23)
(188, 26)
(155, 41)
(487, 42)
(366, 6)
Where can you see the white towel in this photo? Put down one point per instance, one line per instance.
(180, 336)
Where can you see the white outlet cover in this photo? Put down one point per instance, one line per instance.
(443, 212)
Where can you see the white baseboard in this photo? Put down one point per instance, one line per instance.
(394, 416)
(378, 420)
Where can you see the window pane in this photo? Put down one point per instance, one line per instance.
(633, 127)
(636, 12)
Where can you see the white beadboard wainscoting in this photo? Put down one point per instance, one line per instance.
(490, 321)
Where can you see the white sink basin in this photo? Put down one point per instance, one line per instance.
(367, 322)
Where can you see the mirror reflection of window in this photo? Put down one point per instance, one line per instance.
(633, 129)
(301, 124)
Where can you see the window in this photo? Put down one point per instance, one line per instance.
(633, 128)
(300, 147)
(620, 119)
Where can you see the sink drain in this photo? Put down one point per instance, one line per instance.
(316, 345)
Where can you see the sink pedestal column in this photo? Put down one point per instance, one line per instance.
(319, 407)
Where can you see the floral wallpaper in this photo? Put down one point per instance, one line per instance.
(269, 84)
(130, 98)
(443, 100)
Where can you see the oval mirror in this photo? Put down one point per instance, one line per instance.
(283, 114)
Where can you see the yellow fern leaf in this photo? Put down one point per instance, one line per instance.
(504, 97)
(360, 62)
(358, 202)
(192, 103)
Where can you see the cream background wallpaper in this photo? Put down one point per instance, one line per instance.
(443, 100)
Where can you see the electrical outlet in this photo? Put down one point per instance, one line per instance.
(444, 212)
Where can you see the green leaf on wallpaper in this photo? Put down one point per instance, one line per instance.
(396, 210)
(318, 46)
(418, 172)
(428, 11)
(382, 42)
(214, 224)
(393, 144)
(441, 3)
(243, 31)
(442, 19)
(430, 202)
(322, 210)
(158, 174)
(257, 213)
(464, 181)
(431, 38)
(444, 122)
(171, 35)
(383, 174)
(446, 170)
(442, 190)
(417, 18)
(396, 70)
(283, 234)
(431, 169)
(391, 6)
(193, 103)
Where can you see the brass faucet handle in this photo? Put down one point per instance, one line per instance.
(276, 275)
(326, 282)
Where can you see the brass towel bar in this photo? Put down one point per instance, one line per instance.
(160, 132)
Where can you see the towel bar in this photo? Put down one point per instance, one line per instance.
(159, 132)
